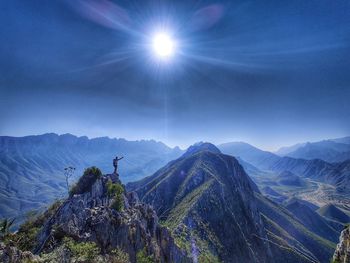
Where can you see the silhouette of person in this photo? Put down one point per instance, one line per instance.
(115, 163)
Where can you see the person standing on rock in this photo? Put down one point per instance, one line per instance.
(115, 163)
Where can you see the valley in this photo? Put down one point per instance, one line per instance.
(315, 192)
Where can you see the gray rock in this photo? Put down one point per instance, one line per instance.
(10, 254)
(89, 217)
(342, 252)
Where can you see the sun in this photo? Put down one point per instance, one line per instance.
(163, 45)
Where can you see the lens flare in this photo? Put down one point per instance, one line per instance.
(163, 45)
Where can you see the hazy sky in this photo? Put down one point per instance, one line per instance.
(271, 73)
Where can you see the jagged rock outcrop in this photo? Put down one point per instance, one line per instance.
(11, 254)
(342, 252)
(88, 217)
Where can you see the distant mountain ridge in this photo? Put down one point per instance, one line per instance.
(31, 167)
(337, 174)
(334, 150)
(249, 153)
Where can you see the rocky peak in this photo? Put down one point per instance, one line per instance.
(90, 215)
(208, 202)
(342, 252)
(201, 146)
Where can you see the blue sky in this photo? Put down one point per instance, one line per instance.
(267, 72)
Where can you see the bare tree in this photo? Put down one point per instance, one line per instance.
(68, 173)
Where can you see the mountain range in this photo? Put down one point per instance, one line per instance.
(337, 174)
(211, 205)
(202, 205)
(336, 150)
(31, 167)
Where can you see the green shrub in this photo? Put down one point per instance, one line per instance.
(116, 191)
(119, 256)
(93, 170)
(82, 250)
(25, 239)
(85, 182)
(208, 258)
(141, 257)
(26, 236)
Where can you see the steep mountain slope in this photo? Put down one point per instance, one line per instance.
(282, 225)
(31, 168)
(332, 212)
(312, 206)
(273, 195)
(249, 153)
(267, 190)
(336, 174)
(212, 206)
(312, 220)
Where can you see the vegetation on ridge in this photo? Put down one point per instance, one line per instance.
(85, 182)
(116, 191)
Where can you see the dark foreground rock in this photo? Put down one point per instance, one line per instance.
(11, 254)
(89, 217)
(98, 224)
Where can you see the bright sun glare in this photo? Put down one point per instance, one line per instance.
(163, 45)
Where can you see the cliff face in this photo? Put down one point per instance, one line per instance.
(342, 252)
(93, 218)
(89, 217)
(11, 254)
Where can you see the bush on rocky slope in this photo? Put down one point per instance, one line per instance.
(116, 191)
(85, 182)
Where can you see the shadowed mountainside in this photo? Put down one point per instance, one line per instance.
(330, 211)
(313, 221)
(210, 203)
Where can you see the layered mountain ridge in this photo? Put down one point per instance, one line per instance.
(31, 167)
(336, 150)
(337, 174)
(208, 201)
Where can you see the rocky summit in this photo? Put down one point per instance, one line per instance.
(99, 222)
